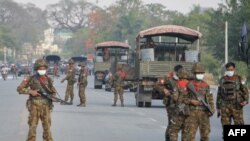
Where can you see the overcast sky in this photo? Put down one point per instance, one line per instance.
(183, 6)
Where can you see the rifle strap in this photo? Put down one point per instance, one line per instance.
(44, 86)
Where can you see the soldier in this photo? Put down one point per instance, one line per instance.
(82, 83)
(179, 97)
(170, 87)
(232, 96)
(70, 77)
(38, 106)
(118, 79)
(199, 116)
(14, 71)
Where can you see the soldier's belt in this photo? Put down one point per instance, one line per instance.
(202, 108)
(39, 100)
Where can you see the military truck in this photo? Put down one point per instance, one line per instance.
(158, 50)
(107, 55)
(53, 64)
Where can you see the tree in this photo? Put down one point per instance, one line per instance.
(67, 14)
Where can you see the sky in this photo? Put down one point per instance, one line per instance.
(183, 6)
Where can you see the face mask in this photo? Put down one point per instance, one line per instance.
(175, 77)
(229, 73)
(41, 72)
(199, 76)
(243, 82)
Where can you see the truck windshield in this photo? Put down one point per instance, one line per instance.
(109, 54)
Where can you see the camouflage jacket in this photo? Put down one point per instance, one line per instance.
(33, 83)
(70, 77)
(202, 88)
(118, 79)
(180, 97)
(169, 84)
(82, 79)
(240, 90)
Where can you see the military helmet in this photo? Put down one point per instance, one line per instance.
(198, 68)
(182, 74)
(71, 61)
(40, 63)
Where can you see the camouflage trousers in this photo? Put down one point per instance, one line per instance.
(38, 109)
(197, 119)
(82, 94)
(118, 91)
(69, 92)
(231, 112)
(170, 113)
(176, 125)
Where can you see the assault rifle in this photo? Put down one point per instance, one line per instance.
(199, 97)
(53, 98)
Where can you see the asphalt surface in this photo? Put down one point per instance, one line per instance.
(98, 121)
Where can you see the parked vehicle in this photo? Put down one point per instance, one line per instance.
(158, 50)
(53, 64)
(108, 56)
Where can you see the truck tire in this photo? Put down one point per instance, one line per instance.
(140, 104)
(147, 104)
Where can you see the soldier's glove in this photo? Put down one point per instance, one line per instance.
(218, 113)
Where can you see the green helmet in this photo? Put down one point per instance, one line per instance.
(71, 61)
(182, 74)
(198, 68)
(40, 63)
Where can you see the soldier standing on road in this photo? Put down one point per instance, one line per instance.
(82, 83)
(118, 79)
(38, 107)
(70, 77)
(199, 116)
(232, 96)
(14, 71)
(181, 113)
(170, 87)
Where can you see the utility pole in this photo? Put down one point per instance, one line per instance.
(198, 41)
(226, 42)
(5, 52)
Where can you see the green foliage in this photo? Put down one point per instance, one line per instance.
(211, 63)
(242, 69)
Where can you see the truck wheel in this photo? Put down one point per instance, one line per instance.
(147, 104)
(140, 104)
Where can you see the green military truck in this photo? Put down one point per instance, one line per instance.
(158, 50)
(108, 54)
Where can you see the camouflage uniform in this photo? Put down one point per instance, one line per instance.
(118, 79)
(181, 109)
(70, 77)
(14, 72)
(38, 107)
(199, 116)
(82, 83)
(230, 94)
(170, 84)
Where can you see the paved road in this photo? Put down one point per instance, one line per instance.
(99, 121)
